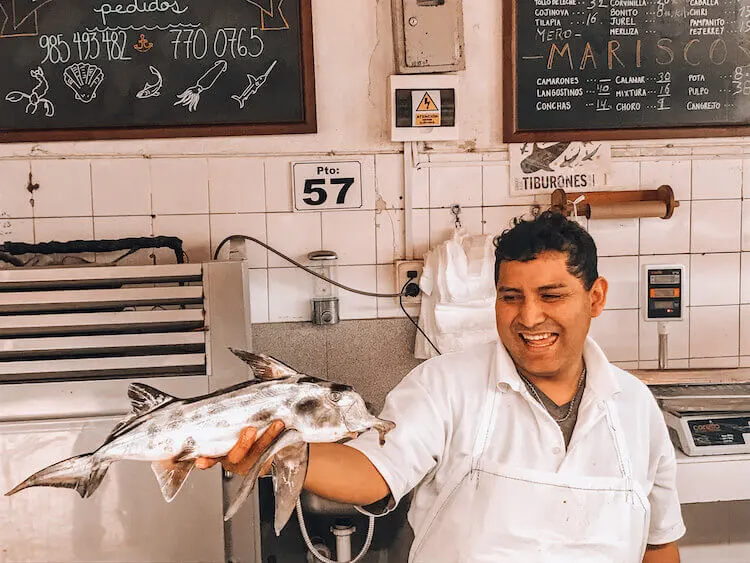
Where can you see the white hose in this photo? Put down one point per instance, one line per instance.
(318, 556)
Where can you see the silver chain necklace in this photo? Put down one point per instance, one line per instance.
(532, 388)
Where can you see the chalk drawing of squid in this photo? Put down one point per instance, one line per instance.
(151, 90)
(37, 96)
(192, 95)
(84, 79)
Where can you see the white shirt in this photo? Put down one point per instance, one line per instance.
(436, 410)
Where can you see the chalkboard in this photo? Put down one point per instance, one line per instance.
(82, 69)
(626, 69)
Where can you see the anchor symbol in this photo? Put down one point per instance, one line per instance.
(143, 44)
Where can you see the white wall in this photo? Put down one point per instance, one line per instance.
(203, 189)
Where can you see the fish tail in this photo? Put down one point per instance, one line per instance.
(84, 473)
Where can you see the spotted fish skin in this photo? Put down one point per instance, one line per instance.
(171, 432)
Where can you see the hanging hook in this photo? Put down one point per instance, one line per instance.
(456, 210)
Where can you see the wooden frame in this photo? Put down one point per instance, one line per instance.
(511, 133)
(308, 125)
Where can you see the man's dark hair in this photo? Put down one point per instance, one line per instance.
(549, 231)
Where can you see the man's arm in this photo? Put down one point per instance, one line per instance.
(667, 553)
(334, 471)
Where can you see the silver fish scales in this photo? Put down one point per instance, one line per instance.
(171, 433)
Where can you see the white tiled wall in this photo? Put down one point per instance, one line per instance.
(202, 200)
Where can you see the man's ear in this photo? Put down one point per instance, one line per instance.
(598, 296)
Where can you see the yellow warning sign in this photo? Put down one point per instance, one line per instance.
(427, 103)
(426, 106)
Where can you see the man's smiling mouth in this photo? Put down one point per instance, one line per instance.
(538, 339)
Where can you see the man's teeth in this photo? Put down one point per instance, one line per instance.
(537, 336)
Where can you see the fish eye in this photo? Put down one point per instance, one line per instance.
(335, 396)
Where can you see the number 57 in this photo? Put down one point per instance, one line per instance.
(318, 195)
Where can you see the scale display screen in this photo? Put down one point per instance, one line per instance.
(664, 295)
(664, 279)
(719, 432)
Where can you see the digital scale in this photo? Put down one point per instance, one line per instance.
(707, 419)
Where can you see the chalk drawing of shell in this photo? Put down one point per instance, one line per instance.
(84, 79)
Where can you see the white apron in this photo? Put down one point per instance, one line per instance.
(492, 512)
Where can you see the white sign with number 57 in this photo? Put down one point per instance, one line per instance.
(327, 185)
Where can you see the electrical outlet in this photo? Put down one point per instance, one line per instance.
(402, 268)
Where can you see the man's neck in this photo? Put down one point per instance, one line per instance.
(560, 387)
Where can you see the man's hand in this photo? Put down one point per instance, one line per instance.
(246, 452)
(666, 553)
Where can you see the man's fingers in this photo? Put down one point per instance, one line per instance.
(261, 445)
(205, 462)
(242, 447)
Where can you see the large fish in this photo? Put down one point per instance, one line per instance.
(171, 433)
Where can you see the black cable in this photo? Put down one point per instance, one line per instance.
(305, 268)
(401, 303)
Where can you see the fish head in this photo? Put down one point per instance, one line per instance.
(337, 408)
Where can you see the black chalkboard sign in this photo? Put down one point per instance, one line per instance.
(81, 69)
(619, 69)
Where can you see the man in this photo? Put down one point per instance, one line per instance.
(531, 449)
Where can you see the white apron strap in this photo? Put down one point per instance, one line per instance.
(486, 420)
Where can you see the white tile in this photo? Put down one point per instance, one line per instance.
(389, 234)
(351, 234)
(64, 229)
(746, 225)
(627, 366)
(389, 307)
(713, 363)
(278, 184)
(352, 305)
(496, 186)
(745, 330)
(442, 224)
(625, 174)
(367, 166)
(16, 230)
(616, 332)
(615, 237)
(64, 188)
(179, 185)
(622, 274)
(745, 278)
(420, 232)
(715, 279)
(716, 226)
(258, 282)
(236, 185)
(459, 185)
(671, 364)
(294, 234)
(678, 343)
(121, 186)
(290, 292)
(717, 179)
(498, 219)
(420, 189)
(666, 236)
(744, 361)
(192, 229)
(249, 224)
(714, 331)
(675, 173)
(389, 179)
(669, 259)
(14, 197)
(124, 227)
(746, 179)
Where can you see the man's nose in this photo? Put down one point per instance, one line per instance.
(531, 313)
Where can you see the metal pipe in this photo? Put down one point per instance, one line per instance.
(343, 532)
(663, 345)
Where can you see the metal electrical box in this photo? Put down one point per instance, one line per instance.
(429, 35)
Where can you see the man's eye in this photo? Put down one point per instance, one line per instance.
(509, 298)
(551, 296)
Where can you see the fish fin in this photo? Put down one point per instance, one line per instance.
(143, 399)
(171, 475)
(264, 367)
(283, 440)
(84, 473)
(289, 472)
(188, 452)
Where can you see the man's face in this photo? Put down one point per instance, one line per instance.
(543, 313)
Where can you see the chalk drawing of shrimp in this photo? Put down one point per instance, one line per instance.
(37, 96)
